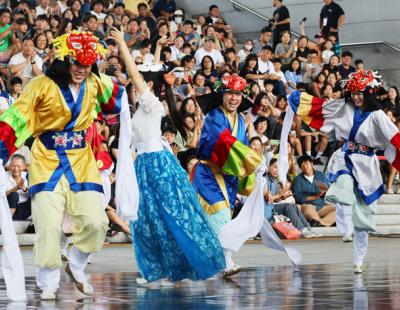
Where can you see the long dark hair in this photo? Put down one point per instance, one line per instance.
(59, 72)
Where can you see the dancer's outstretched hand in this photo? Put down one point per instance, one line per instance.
(118, 36)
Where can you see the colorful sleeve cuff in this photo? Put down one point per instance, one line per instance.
(309, 108)
(110, 95)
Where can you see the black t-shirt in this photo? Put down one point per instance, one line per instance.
(344, 73)
(246, 71)
(387, 104)
(329, 69)
(331, 12)
(279, 15)
(303, 54)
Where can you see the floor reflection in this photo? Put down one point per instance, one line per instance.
(313, 286)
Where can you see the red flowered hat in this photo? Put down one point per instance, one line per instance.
(361, 80)
(232, 83)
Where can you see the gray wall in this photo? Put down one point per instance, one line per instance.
(366, 20)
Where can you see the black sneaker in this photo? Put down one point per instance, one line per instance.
(317, 161)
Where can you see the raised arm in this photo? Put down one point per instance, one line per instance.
(131, 67)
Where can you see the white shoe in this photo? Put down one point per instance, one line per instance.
(347, 238)
(166, 283)
(83, 287)
(398, 191)
(141, 281)
(389, 191)
(358, 269)
(308, 233)
(48, 295)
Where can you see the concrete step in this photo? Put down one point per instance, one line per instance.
(389, 199)
(384, 219)
(388, 209)
(381, 230)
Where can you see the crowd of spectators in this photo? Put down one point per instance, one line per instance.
(200, 51)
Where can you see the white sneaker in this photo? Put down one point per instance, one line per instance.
(308, 233)
(48, 295)
(87, 289)
(166, 283)
(347, 238)
(141, 281)
(358, 269)
(389, 191)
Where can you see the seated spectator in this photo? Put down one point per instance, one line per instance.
(208, 68)
(189, 137)
(97, 10)
(265, 66)
(293, 74)
(17, 189)
(259, 129)
(345, 68)
(392, 101)
(263, 40)
(43, 8)
(65, 27)
(285, 50)
(337, 89)
(327, 51)
(199, 88)
(144, 14)
(176, 50)
(22, 32)
(8, 40)
(302, 49)
(26, 64)
(250, 69)
(312, 67)
(76, 7)
(176, 22)
(213, 15)
(164, 8)
(245, 51)
(15, 89)
(210, 32)
(278, 71)
(309, 189)
(90, 24)
(317, 84)
(332, 66)
(54, 23)
(144, 52)
(187, 32)
(209, 49)
(275, 197)
(359, 64)
(133, 36)
(41, 24)
(163, 32)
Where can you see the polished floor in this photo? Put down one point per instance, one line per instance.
(311, 287)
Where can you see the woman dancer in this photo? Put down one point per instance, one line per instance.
(354, 168)
(172, 237)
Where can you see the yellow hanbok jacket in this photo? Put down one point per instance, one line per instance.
(58, 123)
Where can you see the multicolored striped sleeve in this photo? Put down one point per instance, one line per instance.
(109, 95)
(316, 112)
(233, 157)
(17, 122)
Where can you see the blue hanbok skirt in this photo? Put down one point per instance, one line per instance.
(172, 237)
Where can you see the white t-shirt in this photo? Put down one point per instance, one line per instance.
(214, 54)
(3, 104)
(27, 72)
(309, 178)
(62, 6)
(100, 16)
(148, 58)
(266, 66)
(41, 11)
(23, 196)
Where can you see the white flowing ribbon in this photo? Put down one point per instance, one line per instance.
(283, 161)
(248, 222)
(12, 263)
(126, 187)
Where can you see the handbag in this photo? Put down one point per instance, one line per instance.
(287, 230)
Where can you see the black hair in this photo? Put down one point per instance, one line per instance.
(267, 47)
(15, 80)
(141, 5)
(358, 61)
(347, 54)
(145, 43)
(188, 22)
(21, 21)
(259, 120)
(58, 71)
(255, 138)
(88, 17)
(249, 58)
(213, 6)
(169, 128)
(266, 29)
(303, 159)
(35, 39)
(110, 41)
(186, 59)
(42, 17)
(4, 10)
(298, 71)
(209, 58)
(272, 161)
(119, 4)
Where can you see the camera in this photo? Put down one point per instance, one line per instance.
(110, 70)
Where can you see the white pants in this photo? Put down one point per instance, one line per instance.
(49, 279)
(345, 226)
